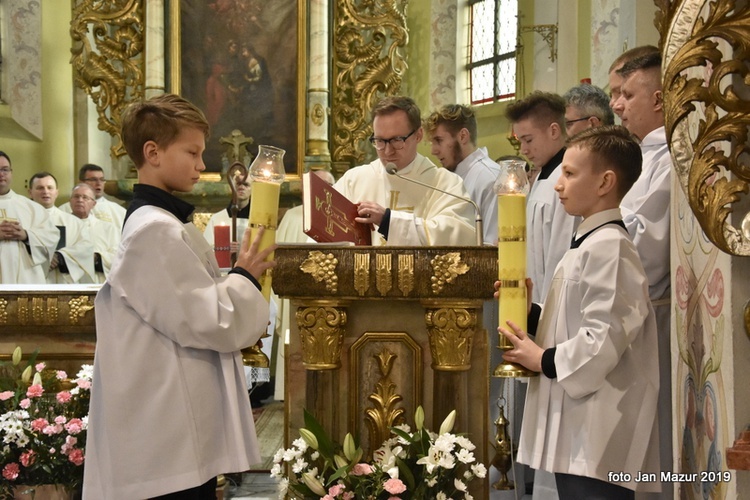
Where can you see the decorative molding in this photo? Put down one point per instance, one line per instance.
(108, 45)
(368, 63)
(383, 278)
(451, 329)
(322, 267)
(322, 326)
(386, 410)
(707, 114)
(445, 269)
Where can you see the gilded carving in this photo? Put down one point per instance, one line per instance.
(317, 114)
(406, 274)
(322, 267)
(52, 310)
(383, 279)
(445, 269)
(369, 62)
(451, 333)
(79, 306)
(707, 113)
(361, 273)
(3, 311)
(384, 413)
(23, 310)
(321, 330)
(107, 60)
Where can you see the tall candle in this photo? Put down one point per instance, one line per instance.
(264, 211)
(221, 246)
(511, 261)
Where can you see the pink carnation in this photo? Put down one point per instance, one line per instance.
(25, 403)
(10, 471)
(83, 383)
(61, 375)
(40, 366)
(39, 424)
(74, 426)
(394, 486)
(6, 395)
(28, 457)
(63, 396)
(335, 490)
(51, 430)
(76, 456)
(35, 391)
(361, 470)
(60, 419)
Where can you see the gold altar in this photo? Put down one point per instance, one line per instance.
(381, 330)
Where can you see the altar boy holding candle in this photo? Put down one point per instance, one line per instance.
(590, 418)
(169, 405)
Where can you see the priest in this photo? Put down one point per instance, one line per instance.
(104, 236)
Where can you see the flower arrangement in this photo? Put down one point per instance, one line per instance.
(43, 420)
(409, 465)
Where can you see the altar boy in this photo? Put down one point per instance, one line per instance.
(590, 415)
(169, 405)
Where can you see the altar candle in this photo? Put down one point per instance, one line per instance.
(511, 261)
(264, 211)
(221, 246)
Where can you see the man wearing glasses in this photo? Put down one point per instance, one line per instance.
(402, 212)
(28, 237)
(586, 106)
(104, 235)
(105, 210)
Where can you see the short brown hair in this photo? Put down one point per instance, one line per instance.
(391, 104)
(544, 108)
(159, 119)
(616, 148)
(631, 54)
(651, 61)
(453, 117)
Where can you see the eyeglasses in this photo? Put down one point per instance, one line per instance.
(568, 123)
(95, 179)
(6, 170)
(396, 142)
(81, 197)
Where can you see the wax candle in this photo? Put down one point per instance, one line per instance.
(511, 261)
(221, 246)
(264, 211)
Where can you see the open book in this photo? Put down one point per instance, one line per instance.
(328, 216)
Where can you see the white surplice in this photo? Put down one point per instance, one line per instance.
(78, 251)
(479, 173)
(26, 263)
(105, 210)
(549, 229)
(420, 216)
(599, 414)
(105, 238)
(168, 373)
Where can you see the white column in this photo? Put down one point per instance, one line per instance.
(318, 94)
(154, 50)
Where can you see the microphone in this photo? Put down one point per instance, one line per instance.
(391, 169)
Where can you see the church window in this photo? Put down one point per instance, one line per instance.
(492, 50)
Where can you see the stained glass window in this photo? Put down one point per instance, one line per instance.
(492, 61)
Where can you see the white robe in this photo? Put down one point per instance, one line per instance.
(549, 230)
(104, 210)
(169, 404)
(645, 210)
(105, 238)
(420, 216)
(599, 414)
(78, 251)
(479, 173)
(26, 263)
(222, 218)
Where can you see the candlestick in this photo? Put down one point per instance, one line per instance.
(221, 246)
(511, 188)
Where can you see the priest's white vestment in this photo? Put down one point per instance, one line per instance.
(78, 251)
(26, 263)
(104, 210)
(420, 216)
(106, 238)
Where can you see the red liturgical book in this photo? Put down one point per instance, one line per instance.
(328, 216)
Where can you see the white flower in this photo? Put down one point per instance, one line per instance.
(465, 456)
(468, 497)
(314, 455)
(300, 444)
(479, 470)
(432, 482)
(430, 462)
(445, 442)
(283, 487)
(465, 443)
(278, 455)
(440, 496)
(447, 462)
(299, 465)
(291, 455)
(460, 486)
(276, 471)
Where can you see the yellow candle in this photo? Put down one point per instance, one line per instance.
(264, 211)
(511, 261)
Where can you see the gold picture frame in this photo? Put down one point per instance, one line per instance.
(241, 63)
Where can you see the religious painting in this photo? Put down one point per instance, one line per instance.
(240, 62)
